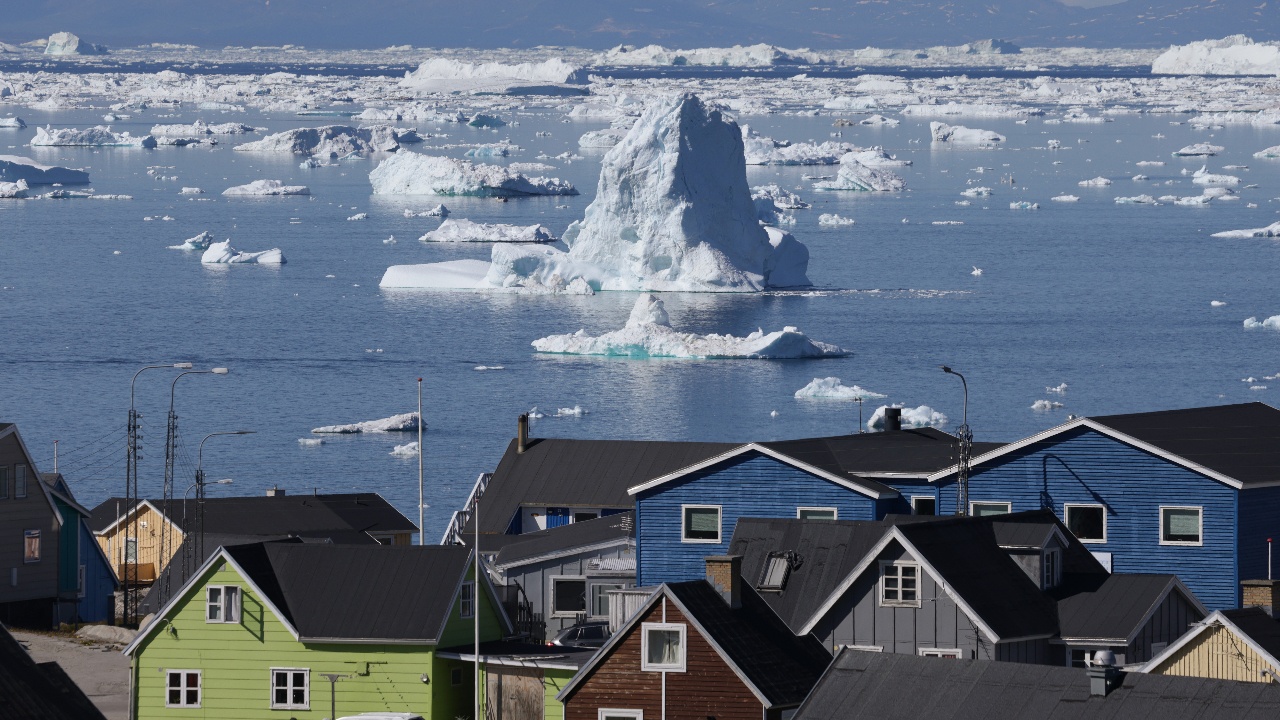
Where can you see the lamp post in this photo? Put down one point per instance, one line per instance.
(131, 492)
(200, 483)
(965, 438)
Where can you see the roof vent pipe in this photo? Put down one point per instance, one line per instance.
(892, 419)
(1104, 676)
(522, 432)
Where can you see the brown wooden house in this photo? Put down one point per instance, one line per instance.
(698, 650)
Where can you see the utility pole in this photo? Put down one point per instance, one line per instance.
(965, 440)
(422, 533)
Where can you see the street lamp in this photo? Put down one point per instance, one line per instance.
(965, 438)
(200, 483)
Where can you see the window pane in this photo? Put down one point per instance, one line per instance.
(925, 506)
(570, 595)
(193, 680)
(281, 696)
(664, 647)
(600, 598)
(280, 679)
(1181, 525)
(816, 514)
(175, 697)
(702, 523)
(984, 509)
(193, 697)
(775, 573)
(299, 696)
(231, 603)
(175, 680)
(1086, 523)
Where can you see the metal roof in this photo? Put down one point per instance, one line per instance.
(1259, 626)
(38, 691)
(1116, 606)
(916, 451)
(279, 515)
(886, 685)
(553, 542)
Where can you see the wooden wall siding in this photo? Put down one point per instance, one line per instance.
(35, 580)
(1028, 652)
(553, 681)
(751, 485)
(1088, 467)
(858, 618)
(535, 578)
(236, 659)
(99, 580)
(1259, 520)
(708, 687)
(1218, 654)
(149, 539)
(1170, 621)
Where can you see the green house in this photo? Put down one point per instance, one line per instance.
(288, 630)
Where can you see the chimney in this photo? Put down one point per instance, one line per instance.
(724, 572)
(522, 432)
(892, 419)
(1104, 676)
(275, 492)
(1264, 594)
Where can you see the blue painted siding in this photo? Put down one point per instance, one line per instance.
(751, 485)
(99, 581)
(1259, 520)
(1088, 467)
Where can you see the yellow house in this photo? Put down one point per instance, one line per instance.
(144, 537)
(1238, 645)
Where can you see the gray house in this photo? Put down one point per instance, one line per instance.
(1014, 587)
(565, 573)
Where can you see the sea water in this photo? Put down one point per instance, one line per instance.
(1113, 300)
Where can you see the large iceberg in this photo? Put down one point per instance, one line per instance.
(267, 188)
(1232, 55)
(14, 168)
(1271, 323)
(13, 190)
(444, 76)
(467, 231)
(1270, 231)
(65, 43)
(648, 334)
(960, 135)
(416, 174)
(854, 175)
(200, 128)
(221, 253)
(333, 141)
(830, 388)
(12, 123)
(761, 150)
(405, 422)
(93, 137)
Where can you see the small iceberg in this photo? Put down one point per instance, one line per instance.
(1271, 152)
(92, 137)
(1024, 205)
(405, 422)
(221, 253)
(648, 334)
(14, 168)
(960, 135)
(830, 388)
(408, 450)
(467, 231)
(1204, 177)
(834, 220)
(918, 417)
(416, 174)
(1095, 182)
(854, 175)
(1270, 231)
(1198, 150)
(199, 242)
(310, 442)
(267, 188)
(1045, 405)
(12, 123)
(1137, 200)
(13, 190)
(978, 192)
(1271, 323)
(1065, 198)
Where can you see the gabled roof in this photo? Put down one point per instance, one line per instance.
(1237, 445)
(1252, 626)
(873, 686)
(38, 691)
(185, 564)
(577, 537)
(904, 453)
(1116, 608)
(778, 666)
(8, 429)
(304, 515)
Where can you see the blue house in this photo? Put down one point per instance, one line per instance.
(1193, 492)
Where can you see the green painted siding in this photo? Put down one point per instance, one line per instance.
(236, 660)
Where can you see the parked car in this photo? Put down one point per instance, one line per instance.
(587, 634)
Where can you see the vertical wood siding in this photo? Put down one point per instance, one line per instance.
(1169, 622)
(153, 545)
(1217, 653)
(99, 579)
(535, 578)
(1259, 520)
(708, 688)
(751, 485)
(1087, 467)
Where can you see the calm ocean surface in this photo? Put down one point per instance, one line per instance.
(1112, 299)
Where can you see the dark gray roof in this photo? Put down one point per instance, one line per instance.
(38, 691)
(566, 538)
(782, 665)
(530, 654)
(358, 592)
(1111, 608)
(1241, 441)
(876, 686)
(1022, 535)
(279, 515)
(184, 563)
(1259, 626)
(916, 451)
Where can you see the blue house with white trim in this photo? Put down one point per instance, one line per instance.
(1193, 492)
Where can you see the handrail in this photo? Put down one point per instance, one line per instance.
(453, 532)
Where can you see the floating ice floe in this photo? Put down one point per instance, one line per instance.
(1198, 150)
(830, 388)
(648, 334)
(1271, 152)
(977, 192)
(853, 175)
(14, 168)
(405, 422)
(760, 55)
(191, 191)
(12, 123)
(439, 211)
(310, 442)
(875, 120)
(13, 190)
(358, 217)
(492, 150)
(835, 220)
(1095, 182)
(1271, 323)
(1024, 205)
(1216, 303)
(604, 139)
(200, 128)
(976, 272)
(1232, 55)
(1270, 231)
(955, 109)
(444, 76)
(1137, 200)
(575, 411)
(466, 231)
(267, 188)
(1059, 389)
(960, 135)
(199, 242)
(760, 150)
(333, 141)
(415, 174)
(406, 450)
(1204, 177)
(917, 417)
(1045, 405)
(781, 198)
(91, 137)
(221, 253)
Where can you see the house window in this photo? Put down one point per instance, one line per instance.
(701, 524)
(1181, 525)
(131, 550)
(20, 481)
(924, 505)
(1087, 522)
(467, 600)
(585, 516)
(600, 598)
(182, 689)
(773, 576)
(816, 513)
(955, 653)
(455, 676)
(290, 689)
(568, 596)
(899, 584)
(984, 509)
(30, 546)
(222, 604)
(4, 483)
(616, 714)
(663, 646)
(1051, 568)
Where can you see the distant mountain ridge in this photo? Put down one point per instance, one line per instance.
(600, 24)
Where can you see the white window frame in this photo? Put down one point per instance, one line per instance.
(612, 585)
(306, 689)
(719, 524)
(1008, 506)
(228, 613)
(551, 596)
(1160, 525)
(931, 498)
(645, 665)
(183, 689)
(835, 512)
(1066, 507)
(881, 587)
(953, 653)
(1047, 582)
(605, 713)
(20, 481)
(130, 543)
(467, 600)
